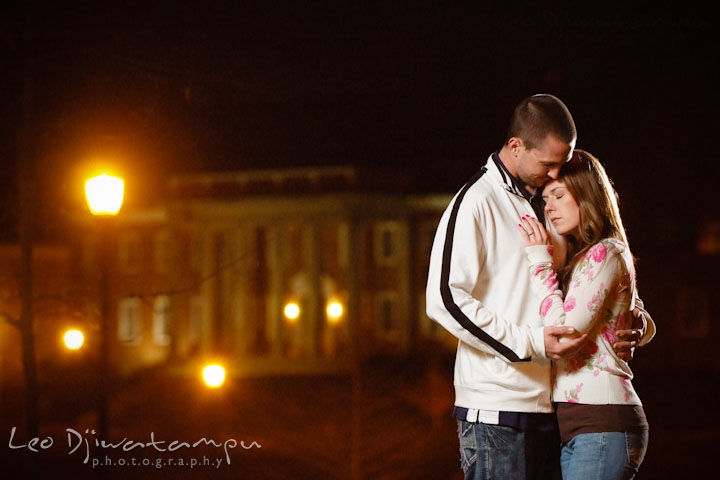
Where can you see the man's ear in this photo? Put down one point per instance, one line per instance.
(515, 144)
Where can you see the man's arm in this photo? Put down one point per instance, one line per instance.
(557, 343)
(457, 258)
(641, 332)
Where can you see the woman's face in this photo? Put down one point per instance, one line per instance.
(561, 209)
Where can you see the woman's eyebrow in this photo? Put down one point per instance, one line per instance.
(553, 189)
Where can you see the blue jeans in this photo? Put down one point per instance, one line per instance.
(603, 456)
(496, 452)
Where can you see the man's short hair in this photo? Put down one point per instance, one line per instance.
(537, 117)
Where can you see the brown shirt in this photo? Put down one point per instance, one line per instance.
(577, 418)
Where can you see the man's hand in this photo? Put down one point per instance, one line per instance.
(627, 340)
(555, 349)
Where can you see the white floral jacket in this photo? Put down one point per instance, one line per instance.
(599, 301)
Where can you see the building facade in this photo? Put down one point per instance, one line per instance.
(280, 271)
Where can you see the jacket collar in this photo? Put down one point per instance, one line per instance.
(505, 180)
(501, 176)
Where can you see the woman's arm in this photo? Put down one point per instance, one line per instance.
(595, 277)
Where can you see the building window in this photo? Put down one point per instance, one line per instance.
(162, 252)
(386, 243)
(130, 321)
(386, 314)
(129, 253)
(161, 320)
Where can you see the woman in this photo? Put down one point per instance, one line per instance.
(603, 427)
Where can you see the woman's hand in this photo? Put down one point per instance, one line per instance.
(533, 232)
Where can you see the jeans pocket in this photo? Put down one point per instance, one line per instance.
(636, 444)
(468, 444)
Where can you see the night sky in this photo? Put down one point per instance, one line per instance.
(171, 87)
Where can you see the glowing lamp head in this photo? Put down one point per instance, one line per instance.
(214, 376)
(73, 339)
(292, 312)
(334, 312)
(104, 194)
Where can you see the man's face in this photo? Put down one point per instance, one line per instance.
(537, 166)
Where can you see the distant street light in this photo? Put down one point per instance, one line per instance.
(334, 312)
(214, 375)
(104, 195)
(73, 339)
(292, 312)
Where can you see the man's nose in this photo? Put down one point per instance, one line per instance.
(553, 173)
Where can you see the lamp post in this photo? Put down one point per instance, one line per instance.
(104, 196)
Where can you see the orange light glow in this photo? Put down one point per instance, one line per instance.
(104, 194)
(334, 312)
(73, 339)
(214, 375)
(292, 312)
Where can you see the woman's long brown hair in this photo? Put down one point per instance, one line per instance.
(586, 180)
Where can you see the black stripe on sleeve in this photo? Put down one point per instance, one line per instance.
(445, 292)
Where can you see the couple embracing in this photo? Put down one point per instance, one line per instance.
(531, 270)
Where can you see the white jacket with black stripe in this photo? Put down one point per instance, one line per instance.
(479, 290)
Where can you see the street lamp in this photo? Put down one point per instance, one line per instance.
(292, 312)
(104, 195)
(214, 375)
(73, 339)
(334, 311)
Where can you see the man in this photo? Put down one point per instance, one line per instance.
(479, 290)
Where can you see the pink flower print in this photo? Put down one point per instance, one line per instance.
(573, 396)
(539, 270)
(551, 281)
(569, 304)
(597, 364)
(545, 306)
(597, 300)
(598, 252)
(581, 358)
(623, 320)
(608, 334)
(627, 387)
